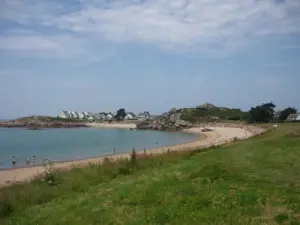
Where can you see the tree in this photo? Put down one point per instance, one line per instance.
(286, 112)
(262, 113)
(121, 113)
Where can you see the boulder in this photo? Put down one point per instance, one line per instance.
(175, 116)
(182, 123)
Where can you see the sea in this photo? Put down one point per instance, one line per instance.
(79, 143)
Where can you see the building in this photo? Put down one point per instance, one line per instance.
(109, 116)
(74, 115)
(130, 116)
(90, 118)
(87, 114)
(102, 116)
(64, 115)
(143, 116)
(80, 115)
(293, 117)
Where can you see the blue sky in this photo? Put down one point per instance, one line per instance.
(99, 55)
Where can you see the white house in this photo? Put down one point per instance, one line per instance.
(102, 116)
(74, 115)
(86, 114)
(109, 116)
(64, 114)
(143, 116)
(90, 118)
(80, 115)
(130, 116)
(293, 117)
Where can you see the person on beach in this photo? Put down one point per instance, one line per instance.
(27, 161)
(33, 159)
(13, 161)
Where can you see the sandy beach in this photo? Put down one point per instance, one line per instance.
(218, 136)
(113, 125)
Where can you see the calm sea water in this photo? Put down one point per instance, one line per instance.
(71, 144)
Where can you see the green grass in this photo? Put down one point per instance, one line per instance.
(256, 181)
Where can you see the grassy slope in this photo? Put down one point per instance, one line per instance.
(256, 181)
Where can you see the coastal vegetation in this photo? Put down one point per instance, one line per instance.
(202, 113)
(174, 119)
(255, 181)
(258, 114)
(286, 112)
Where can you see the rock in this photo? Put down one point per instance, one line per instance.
(175, 116)
(36, 124)
(164, 124)
(206, 106)
(182, 123)
(206, 130)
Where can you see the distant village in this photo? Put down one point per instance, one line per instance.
(103, 115)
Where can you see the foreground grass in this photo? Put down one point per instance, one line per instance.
(256, 181)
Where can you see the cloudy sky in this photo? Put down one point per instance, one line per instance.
(99, 55)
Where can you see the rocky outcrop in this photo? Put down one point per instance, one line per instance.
(174, 117)
(206, 106)
(36, 124)
(167, 122)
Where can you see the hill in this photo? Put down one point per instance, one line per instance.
(178, 119)
(209, 112)
(255, 181)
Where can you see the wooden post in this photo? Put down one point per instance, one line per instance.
(144, 151)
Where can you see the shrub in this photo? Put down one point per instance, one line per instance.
(133, 158)
(6, 208)
(50, 175)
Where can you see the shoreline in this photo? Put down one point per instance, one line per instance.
(139, 151)
(218, 136)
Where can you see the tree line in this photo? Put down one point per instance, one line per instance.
(265, 113)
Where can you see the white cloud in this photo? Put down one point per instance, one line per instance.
(197, 26)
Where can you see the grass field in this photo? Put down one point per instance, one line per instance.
(256, 181)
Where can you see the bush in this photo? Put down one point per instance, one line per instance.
(133, 158)
(6, 208)
(50, 175)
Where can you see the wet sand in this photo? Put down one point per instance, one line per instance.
(218, 136)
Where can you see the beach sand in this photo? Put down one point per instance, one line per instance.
(113, 125)
(218, 136)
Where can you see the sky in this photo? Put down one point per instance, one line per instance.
(101, 55)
